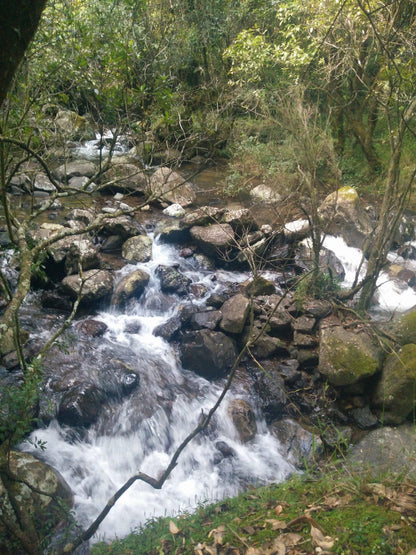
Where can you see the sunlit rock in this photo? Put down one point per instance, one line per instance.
(169, 186)
(130, 286)
(137, 249)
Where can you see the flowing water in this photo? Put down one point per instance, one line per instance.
(142, 431)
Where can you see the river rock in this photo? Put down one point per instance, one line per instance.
(208, 319)
(78, 168)
(83, 215)
(92, 328)
(385, 450)
(169, 186)
(208, 353)
(260, 286)
(270, 388)
(174, 211)
(169, 329)
(266, 194)
(172, 280)
(43, 183)
(137, 249)
(346, 357)
(125, 178)
(395, 394)
(215, 239)
(234, 314)
(299, 446)
(80, 405)
(96, 285)
(344, 215)
(130, 286)
(243, 418)
(74, 126)
(171, 231)
(404, 327)
(241, 220)
(124, 226)
(82, 254)
(202, 216)
(45, 511)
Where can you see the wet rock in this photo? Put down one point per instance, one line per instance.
(271, 391)
(133, 327)
(318, 308)
(307, 358)
(130, 286)
(243, 418)
(208, 353)
(112, 243)
(234, 314)
(125, 178)
(56, 300)
(171, 232)
(395, 394)
(214, 239)
(186, 252)
(404, 327)
(225, 451)
(345, 215)
(44, 510)
(289, 369)
(328, 261)
(304, 324)
(80, 406)
(78, 168)
(304, 340)
(337, 437)
(346, 357)
(92, 328)
(169, 329)
(207, 319)
(204, 262)
(299, 446)
(80, 182)
(265, 346)
(168, 185)
(172, 280)
(96, 285)
(137, 249)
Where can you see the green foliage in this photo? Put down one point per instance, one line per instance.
(316, 285)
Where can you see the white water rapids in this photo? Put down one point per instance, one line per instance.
(120, 445)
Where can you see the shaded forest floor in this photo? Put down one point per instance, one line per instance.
(334, 512)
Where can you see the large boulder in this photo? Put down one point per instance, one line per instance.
(130, 286)
(80, 405)
(404, 327)
(265, 193)
(78, 168)
(137, 249)
(385, 450)
(73, 126)
(344, 215)
(122, 226)
(395, 395)
(125, 178)
(82, 254)
(46, 509)
(169, 186)
(96, 285)
(214, 240)
(208, 353)
(243, 419)
(202, 216)
(234, 314)
(346, 357)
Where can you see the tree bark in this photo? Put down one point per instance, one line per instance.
(19, 20)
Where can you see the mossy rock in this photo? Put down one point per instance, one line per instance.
(346, 357)
(395, 395)
(7, 344)
(404, 328)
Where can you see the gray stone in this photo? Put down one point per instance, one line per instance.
(78, 168)
(215, 239)
(96, 285)
(137, 249)
(266, 194)
(132, 285)
(172, 280)
(168, 185)
(299, 446)
(243, 418)
(234, 314)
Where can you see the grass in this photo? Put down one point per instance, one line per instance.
(332, 513)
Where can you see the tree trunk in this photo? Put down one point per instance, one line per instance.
(19, 20)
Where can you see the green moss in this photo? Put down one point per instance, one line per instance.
(405, 328)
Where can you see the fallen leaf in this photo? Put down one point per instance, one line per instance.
(319, 540)
(290, 539)
(204, 549)
(276, 524)
(253, 551)
(217, 534)
(279, 547)
(278, 509)
(173, 529)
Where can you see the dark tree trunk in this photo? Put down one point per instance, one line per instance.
(19, 20)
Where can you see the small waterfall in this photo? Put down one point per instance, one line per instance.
(392, 295)
(141, 432)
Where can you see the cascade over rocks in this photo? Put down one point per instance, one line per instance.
(80, 405)
(132, 285)
(300, 446)
(243, 418)
(208, 353)
(172, 281)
